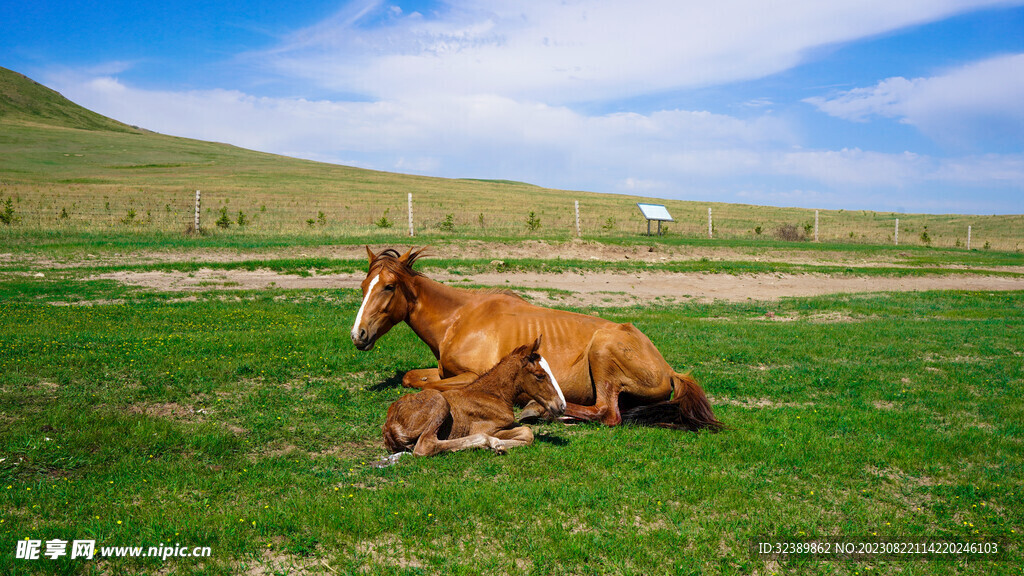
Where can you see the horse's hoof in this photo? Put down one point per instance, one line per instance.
(532, 412)
(410, 383)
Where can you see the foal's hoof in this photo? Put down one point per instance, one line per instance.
(500, 449)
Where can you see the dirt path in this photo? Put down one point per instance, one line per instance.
(595, 289)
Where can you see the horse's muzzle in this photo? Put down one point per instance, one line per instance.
(362, 341)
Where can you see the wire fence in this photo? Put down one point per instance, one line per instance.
(173, 209)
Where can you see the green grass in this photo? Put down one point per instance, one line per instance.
(246, 422)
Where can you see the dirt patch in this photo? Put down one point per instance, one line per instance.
(591, 288)
(757, 403)
(169, 410)
(88, 303)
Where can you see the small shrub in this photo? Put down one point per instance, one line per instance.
(129, 217)
(532, 222)
(64, 213)
(757, 230)
(480, 220)
(925, 238)
(987, 246)
(448, 224)
(609, 224)
(7, 214)
(241, 220)
(789, 233)
(384, 222)
(223, 222)
(321, 218)
(310, 222)
(808, 229)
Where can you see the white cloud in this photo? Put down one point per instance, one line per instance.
(487, 89)
(673, 153)
(579, 50)
(982, 102)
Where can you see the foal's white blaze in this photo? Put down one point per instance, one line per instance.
(359, 316)
(561, 397)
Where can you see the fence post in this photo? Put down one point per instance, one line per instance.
(709, 222)
(196, 223)
(411, 231)
(896, 236)
(815, 225)
(577, 218)
(968, 238)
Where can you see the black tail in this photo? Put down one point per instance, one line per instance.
(688, 409)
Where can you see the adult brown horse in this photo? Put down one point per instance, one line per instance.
(599, 364)
(477, 415)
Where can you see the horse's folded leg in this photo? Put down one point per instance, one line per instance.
(419, 378)
(532, 412)
(605, 408)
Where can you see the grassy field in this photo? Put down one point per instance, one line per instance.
(246, 422)
(66, 170)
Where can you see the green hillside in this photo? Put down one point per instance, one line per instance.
(68, 169)
(24, 100)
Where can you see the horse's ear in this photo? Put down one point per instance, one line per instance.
(536, 343)
(370, 254)
(411, 255)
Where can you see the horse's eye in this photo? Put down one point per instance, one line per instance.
(389, 288)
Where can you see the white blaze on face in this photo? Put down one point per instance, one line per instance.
(359, 316)
(544, 364)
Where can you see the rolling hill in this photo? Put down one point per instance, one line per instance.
(68, 168)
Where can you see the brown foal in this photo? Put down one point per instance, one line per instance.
(478, 415)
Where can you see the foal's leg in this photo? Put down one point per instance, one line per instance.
(510, 438)
(429, 445)
(434, 411)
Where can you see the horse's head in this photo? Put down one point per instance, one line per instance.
(387, 295)
(537, 381)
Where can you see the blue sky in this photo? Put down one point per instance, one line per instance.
(911, 106)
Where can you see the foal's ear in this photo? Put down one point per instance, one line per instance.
(370, 254)
(536, 343)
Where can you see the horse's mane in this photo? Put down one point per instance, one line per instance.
(389, 259)
(503, 291)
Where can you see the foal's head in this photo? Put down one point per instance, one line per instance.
(536, 380)
(386, 295)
